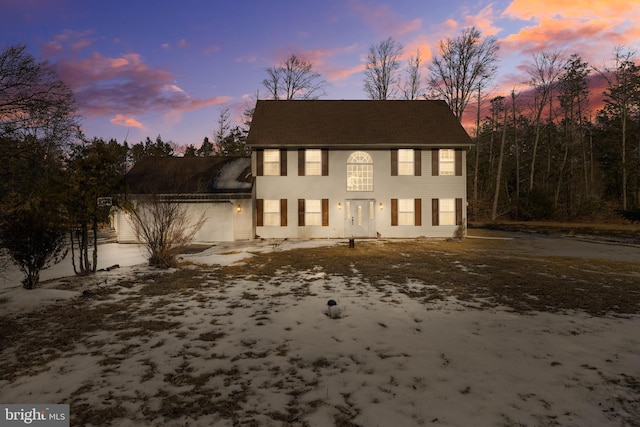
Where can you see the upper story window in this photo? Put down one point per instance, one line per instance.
(406, 162)
(359, 172)
(447, 160)
(271, 162)
(313, 162)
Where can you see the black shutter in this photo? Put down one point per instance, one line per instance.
(394, 162)
(435, 162)
(301, 212)
(260, 213)
(435, 209)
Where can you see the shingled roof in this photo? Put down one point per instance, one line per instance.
(355, 123)
(190, 175)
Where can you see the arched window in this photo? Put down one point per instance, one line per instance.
(359, 172)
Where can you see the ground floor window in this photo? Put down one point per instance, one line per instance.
(406, 213)
(272, 213)
(447, 211)
(313, 212)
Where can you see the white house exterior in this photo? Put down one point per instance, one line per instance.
(220, 188)
(358, 169)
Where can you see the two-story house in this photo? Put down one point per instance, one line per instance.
(357, 169)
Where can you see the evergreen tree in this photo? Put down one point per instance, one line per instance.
(206, 149)
(95, 171)
(37, 121)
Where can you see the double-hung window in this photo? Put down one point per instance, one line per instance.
(271, 213)
(313, 212)
(447, 212)
(271, 162)
(406, 162)
(447, 162)
(312, 162)
(406, 213)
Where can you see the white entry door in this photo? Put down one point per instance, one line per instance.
(359, 218)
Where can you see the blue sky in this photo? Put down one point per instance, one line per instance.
(148, 68)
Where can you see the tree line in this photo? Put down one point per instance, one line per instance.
(541, 152)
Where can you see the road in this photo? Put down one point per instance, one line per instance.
(564, 246)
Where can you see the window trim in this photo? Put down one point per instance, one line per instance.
(260, 213)
(395, 162)
(450, 163)
(324, 162)
(417, 212)
(270, 167)
(435, 211)
(302, 213)
(365, 183)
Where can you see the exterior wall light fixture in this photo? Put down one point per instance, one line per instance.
(381, 206)
(339, 205)
(239, 208)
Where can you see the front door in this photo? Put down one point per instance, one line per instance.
(359, 218)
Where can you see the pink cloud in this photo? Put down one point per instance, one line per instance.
(125, 85)
(344, 73)
(74, 39)
(322, 60)
(122, 120)
(573, 9)
(421, 45)
(483, 21)
(589, 27)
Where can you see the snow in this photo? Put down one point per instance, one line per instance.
(387, 360)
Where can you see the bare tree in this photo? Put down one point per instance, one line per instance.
(295, 79)
(382, 70)
(164, 227)
(463, 66)
(497, 104)
(622, 96)
(573, 97)
(224, 126)
(544, 73)
(34, 102)
(412, 87)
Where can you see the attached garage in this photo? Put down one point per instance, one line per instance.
(216, 190)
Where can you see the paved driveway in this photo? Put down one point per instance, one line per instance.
(564, 246)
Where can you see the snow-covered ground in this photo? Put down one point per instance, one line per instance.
(255, 352)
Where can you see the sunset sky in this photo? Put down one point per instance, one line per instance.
(142, 68)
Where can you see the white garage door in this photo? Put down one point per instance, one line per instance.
(218, 226)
